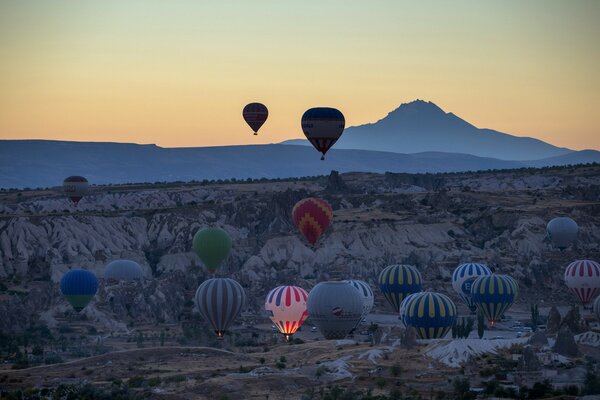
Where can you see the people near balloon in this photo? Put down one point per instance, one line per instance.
(79, 286)
(75, 187)
(562, 232)
(286, 306)
(212, 245)
(398, 281)
(220, 300)
(312, 216)
(123, 270)
(493, 295)
(431, 314)
(323, 126)
(367, 296)
(255, 115)
(335, 308)
(463, 277)
(582, 277)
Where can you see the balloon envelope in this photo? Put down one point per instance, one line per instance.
(562, 231)
(123, 270)
(212, 245)
(463, 277)
(366, 295)
(75, 187)
(582, 277)
(431, 314)
(398, 281)
(220, 300)
(79, 287)
(255, 115)
(286, 306)
(493, 295)
(596, 307)
(323, 126)
(335, 308)
(312, 216)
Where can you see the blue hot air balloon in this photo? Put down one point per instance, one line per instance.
(79, 287)
(493, 295)
(431, 314)
(323, 126)
(463, 277)
(398, 281)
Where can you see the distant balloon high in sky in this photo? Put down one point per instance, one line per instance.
(212, 245)
(562, 231)
(75, 187)
(431, 314)
(493, 295)
(123, 270)
(323, 126)
(286, 306)
(583, 278)
(312, 217)
(335, 308)
(79, 286)
(398, 281)
(220, 300)
(463, 277)
(255, 115)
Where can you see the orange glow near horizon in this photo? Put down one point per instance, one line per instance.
(178, 73)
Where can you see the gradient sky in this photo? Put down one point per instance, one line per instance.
(177, 73)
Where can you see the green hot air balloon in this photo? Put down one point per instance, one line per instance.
(212, 245)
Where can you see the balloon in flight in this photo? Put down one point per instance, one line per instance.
(79, 286)
(463, 277)
(431, 314)
(75, 187)
(335, 308)
(323, 126)
(212, 245)
(493, 295)
(582, 277)
(255, 115)
(312, 216)
(398, 281)
(123, 270)
(562, 231)
(220, 300)
(286, 306)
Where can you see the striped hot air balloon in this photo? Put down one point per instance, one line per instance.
(79, 286)
(220, 300)
(123, 270)
(463, 277)
(255, 115)
(493, 295)
(366, 293)
(312, 216)
(75, 187)
(398, 281)
(431, 314)
(583, 278)
(212, 245)
(286, 306)
(323, 126)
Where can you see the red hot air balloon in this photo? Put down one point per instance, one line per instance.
(583, 278)
(75, 187)
(312, 216)
(255, 115)
(323, 126)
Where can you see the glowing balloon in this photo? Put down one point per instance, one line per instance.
(583, 278)
(431, 314)
(75, 187)
(220, 300)
(312, 216)
(255, 115)
(286, 306)
(79, 286)
(398, 281)
(323, 126)
(463, 277)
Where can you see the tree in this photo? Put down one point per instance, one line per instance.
(480, 324)
(535, 315)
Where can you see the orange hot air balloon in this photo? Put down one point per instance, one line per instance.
(312, 216)
(255, 115)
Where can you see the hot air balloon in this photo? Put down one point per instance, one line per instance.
(79, 287)
(596, 307)
(398, 281)
(335, 308)
(562, 231)
(220, 300)
(323, 126)
(286, 306)
(255, 115)
(583, 278)
(463, 277)
(431, 314)
(312, 217)
(123, 270)
(75, 187)
(367, 296)
(493, 295)
(212, 245)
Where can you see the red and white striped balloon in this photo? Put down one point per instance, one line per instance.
(286, 306)
(583, 278)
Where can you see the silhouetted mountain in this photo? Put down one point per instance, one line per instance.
(422, 126)
(41, 163)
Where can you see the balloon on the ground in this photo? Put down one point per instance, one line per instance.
(255, 115)
(220, 300)
(286, 306)
(212, 245)
(398, 281)
(312, 216)
(335, 308)
(79, 286)
(562, 231)
(323, 126)
(366, 294)
(431, 314)
(123, 270)
(75, 187)
(463, 277)
(493, 295)
(582, 277)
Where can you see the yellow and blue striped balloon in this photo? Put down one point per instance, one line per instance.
(398, 281)
(431, 314)
(493, 295)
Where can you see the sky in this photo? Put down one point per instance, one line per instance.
(178, 73)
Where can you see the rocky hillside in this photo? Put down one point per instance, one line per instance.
(433, 221)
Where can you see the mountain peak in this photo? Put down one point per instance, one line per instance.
(417, 107)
